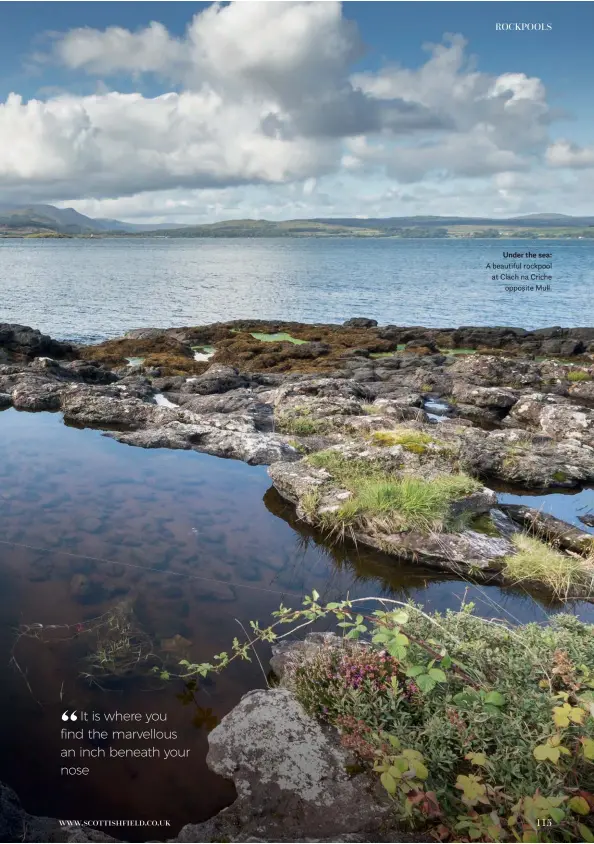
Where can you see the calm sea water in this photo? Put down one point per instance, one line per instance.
(92, 289)
(189, 543)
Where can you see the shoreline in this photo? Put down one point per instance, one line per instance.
(345, 415)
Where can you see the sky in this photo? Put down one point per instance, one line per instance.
(184, 112)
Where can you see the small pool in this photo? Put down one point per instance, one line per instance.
(191, 544)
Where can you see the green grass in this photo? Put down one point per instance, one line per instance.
(373, 410)
(277, 338)
(578, 375)
(381, 501)
(302, 424)
(535, 561)
(408, 438)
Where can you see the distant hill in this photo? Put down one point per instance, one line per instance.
(47, 221)
(554, 225)
(44, 219)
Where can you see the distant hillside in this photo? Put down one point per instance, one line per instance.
(534, 225)
(49, 221)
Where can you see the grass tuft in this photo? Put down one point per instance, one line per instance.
(564, 575)
(408, 438)
(301, 424)
(382, 501)
(578, 375)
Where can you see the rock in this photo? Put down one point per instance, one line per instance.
(528, 460)
(290, 774)
(551, 529)
(290, 653)
(177, 645)
(216, 379)
(555, 417)
(111, 409)
(33, 395)
(252, 447)
(490, 397)
(91, 372)
(458, 552)
(23, 343)
(562, 348)
(17, 825)
(5, 400)
(587, 519)
(582, 390)
(360, 322)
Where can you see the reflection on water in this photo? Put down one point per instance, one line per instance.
(568, 505)
(186, 544)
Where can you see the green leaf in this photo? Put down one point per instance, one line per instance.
(476, 758)
(415, 670)
(579, 805)
(466, 698)
(446, 662)
(388, 782)
(399, 617)
(588, 748)
(556, 814)
(400, 764)
(546, 751)
(315, 595)
(420, 770)
(585, 832)
(426, 683)
(495, 698)
(437, 674)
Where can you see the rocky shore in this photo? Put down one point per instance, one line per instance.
(333, 410)
(392, 437)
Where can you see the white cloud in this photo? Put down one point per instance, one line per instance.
(261, 96)
(565, 154)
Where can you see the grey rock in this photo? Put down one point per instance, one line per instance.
(490, 397)
(290, 774)
(18, 825)
(216, 379)
(360, 322)
(34, 395)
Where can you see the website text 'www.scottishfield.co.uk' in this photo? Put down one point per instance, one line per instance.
(134, 822)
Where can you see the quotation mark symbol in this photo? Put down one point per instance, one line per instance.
(71, 717)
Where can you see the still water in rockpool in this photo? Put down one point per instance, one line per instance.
(167, 552)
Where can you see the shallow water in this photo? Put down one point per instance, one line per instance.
(191, 543)
(568, 505)
(88, 290)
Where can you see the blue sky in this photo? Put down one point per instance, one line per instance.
(296, 109)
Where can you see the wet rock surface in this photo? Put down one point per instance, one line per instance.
(502, 415)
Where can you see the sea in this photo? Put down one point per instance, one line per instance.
(91, 289)
(178, 551)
